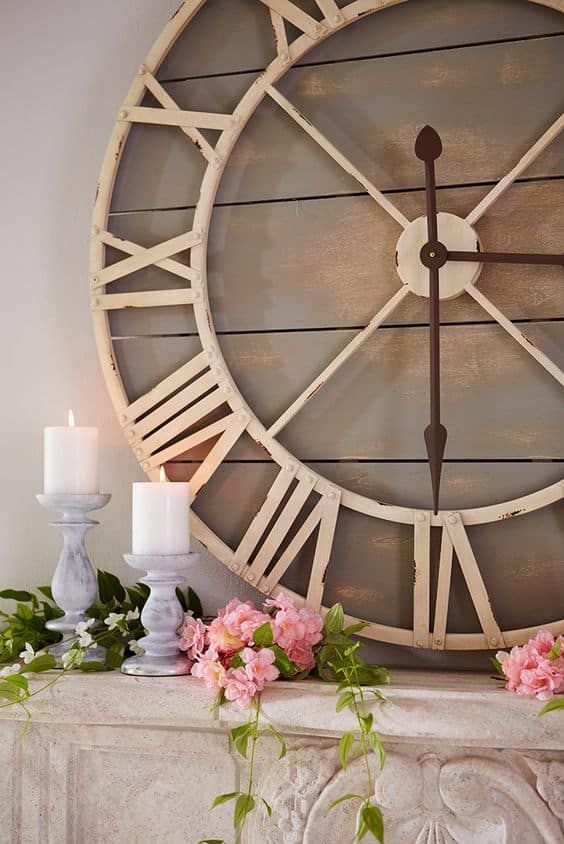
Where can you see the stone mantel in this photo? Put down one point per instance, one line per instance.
(467, 762)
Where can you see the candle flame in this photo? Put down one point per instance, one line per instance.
(162, 475)
(71, 419)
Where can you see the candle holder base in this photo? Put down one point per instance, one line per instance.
(74, 584)
(161, 617)
(144, 665)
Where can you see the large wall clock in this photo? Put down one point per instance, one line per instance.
(325, 233)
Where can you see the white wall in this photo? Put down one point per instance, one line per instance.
(65, 66)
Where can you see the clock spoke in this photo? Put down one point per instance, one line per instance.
(421, 579)
(474, 581)
(143, 299)
(524, 162)
(145, 257)
(268, 538)
(443, 591)
(517, 335)
(337, 156)
(171, 114)
(130, 248)
(287, 10)
(337, 362)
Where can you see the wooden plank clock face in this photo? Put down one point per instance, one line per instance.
(270, 245)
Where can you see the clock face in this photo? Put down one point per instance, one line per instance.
(261, 302)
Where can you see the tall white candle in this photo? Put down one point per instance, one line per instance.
(161, 518)
(70, 459)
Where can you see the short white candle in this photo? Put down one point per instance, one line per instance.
(70, 459)
(161, 518)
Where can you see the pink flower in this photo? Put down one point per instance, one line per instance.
(529, 671)
(281, 602)
(313, 626)
(289, 627)
(243, 620)
(221, 638)
(210, 671)
(302, 655)
(239, 688)
(192, 636)
(259, 666)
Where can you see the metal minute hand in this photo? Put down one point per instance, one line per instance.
(506, 258)
(428, 148)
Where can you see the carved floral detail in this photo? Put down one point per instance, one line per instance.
(453, 797)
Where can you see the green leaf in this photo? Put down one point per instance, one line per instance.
(43, 662)
(244, 805)
(93, 665)
(47, 591)
(263, 635)
(335, 619)
(143, 588)
(372, 675)
(110, 588)
(377, 747)
(114, 655)
(236, 661)
(240, 737)
(556, 703)
(278, 735)
(345, 747)
(182, 598)
(497, 667)
(284, 665)
(23, 612)
(343, 798)
(18, 680)
(366, 722)
(211, 841)
(556, 650)
(371, 817)
(136, 598)
(345, 699)
(11, 693)
(224, 798)
(16, 595)
(267, 807)
(195, 604)
(355, 628)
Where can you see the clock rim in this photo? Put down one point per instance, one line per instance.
(244, 110)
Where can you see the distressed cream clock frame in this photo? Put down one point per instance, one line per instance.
(204, 383)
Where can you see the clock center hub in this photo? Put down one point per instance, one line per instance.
(415, 254)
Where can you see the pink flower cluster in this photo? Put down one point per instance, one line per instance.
(212, 649)
(530, 670)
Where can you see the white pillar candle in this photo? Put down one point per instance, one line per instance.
(70, 459)
(161, 518)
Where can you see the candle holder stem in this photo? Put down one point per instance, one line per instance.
(161, 617)
(74, 584)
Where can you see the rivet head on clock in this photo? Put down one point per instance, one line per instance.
(493, 641)
(420, 517)
(419, 643)
(311, 479)
(139, 452)
(131, 435)
(142, 70)
(250, 577)
(337, 19)
(123, 114)
(289, 467)
(452, 519)
(317, 29)
(285, 58)
(226, 388)
(94, 279)
(123, 418)
(438, 641)
(146, 466)
(216, 163)
(95, 229)
(234, 567)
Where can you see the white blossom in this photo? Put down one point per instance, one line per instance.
(132, 615)
(83, 626)
(134, 646)
(28, 654)
(115, 619)
(10, 669)
(73, 656)
(85, 640)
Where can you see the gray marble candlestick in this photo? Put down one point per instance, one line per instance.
(74, 584)
(161, 617)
